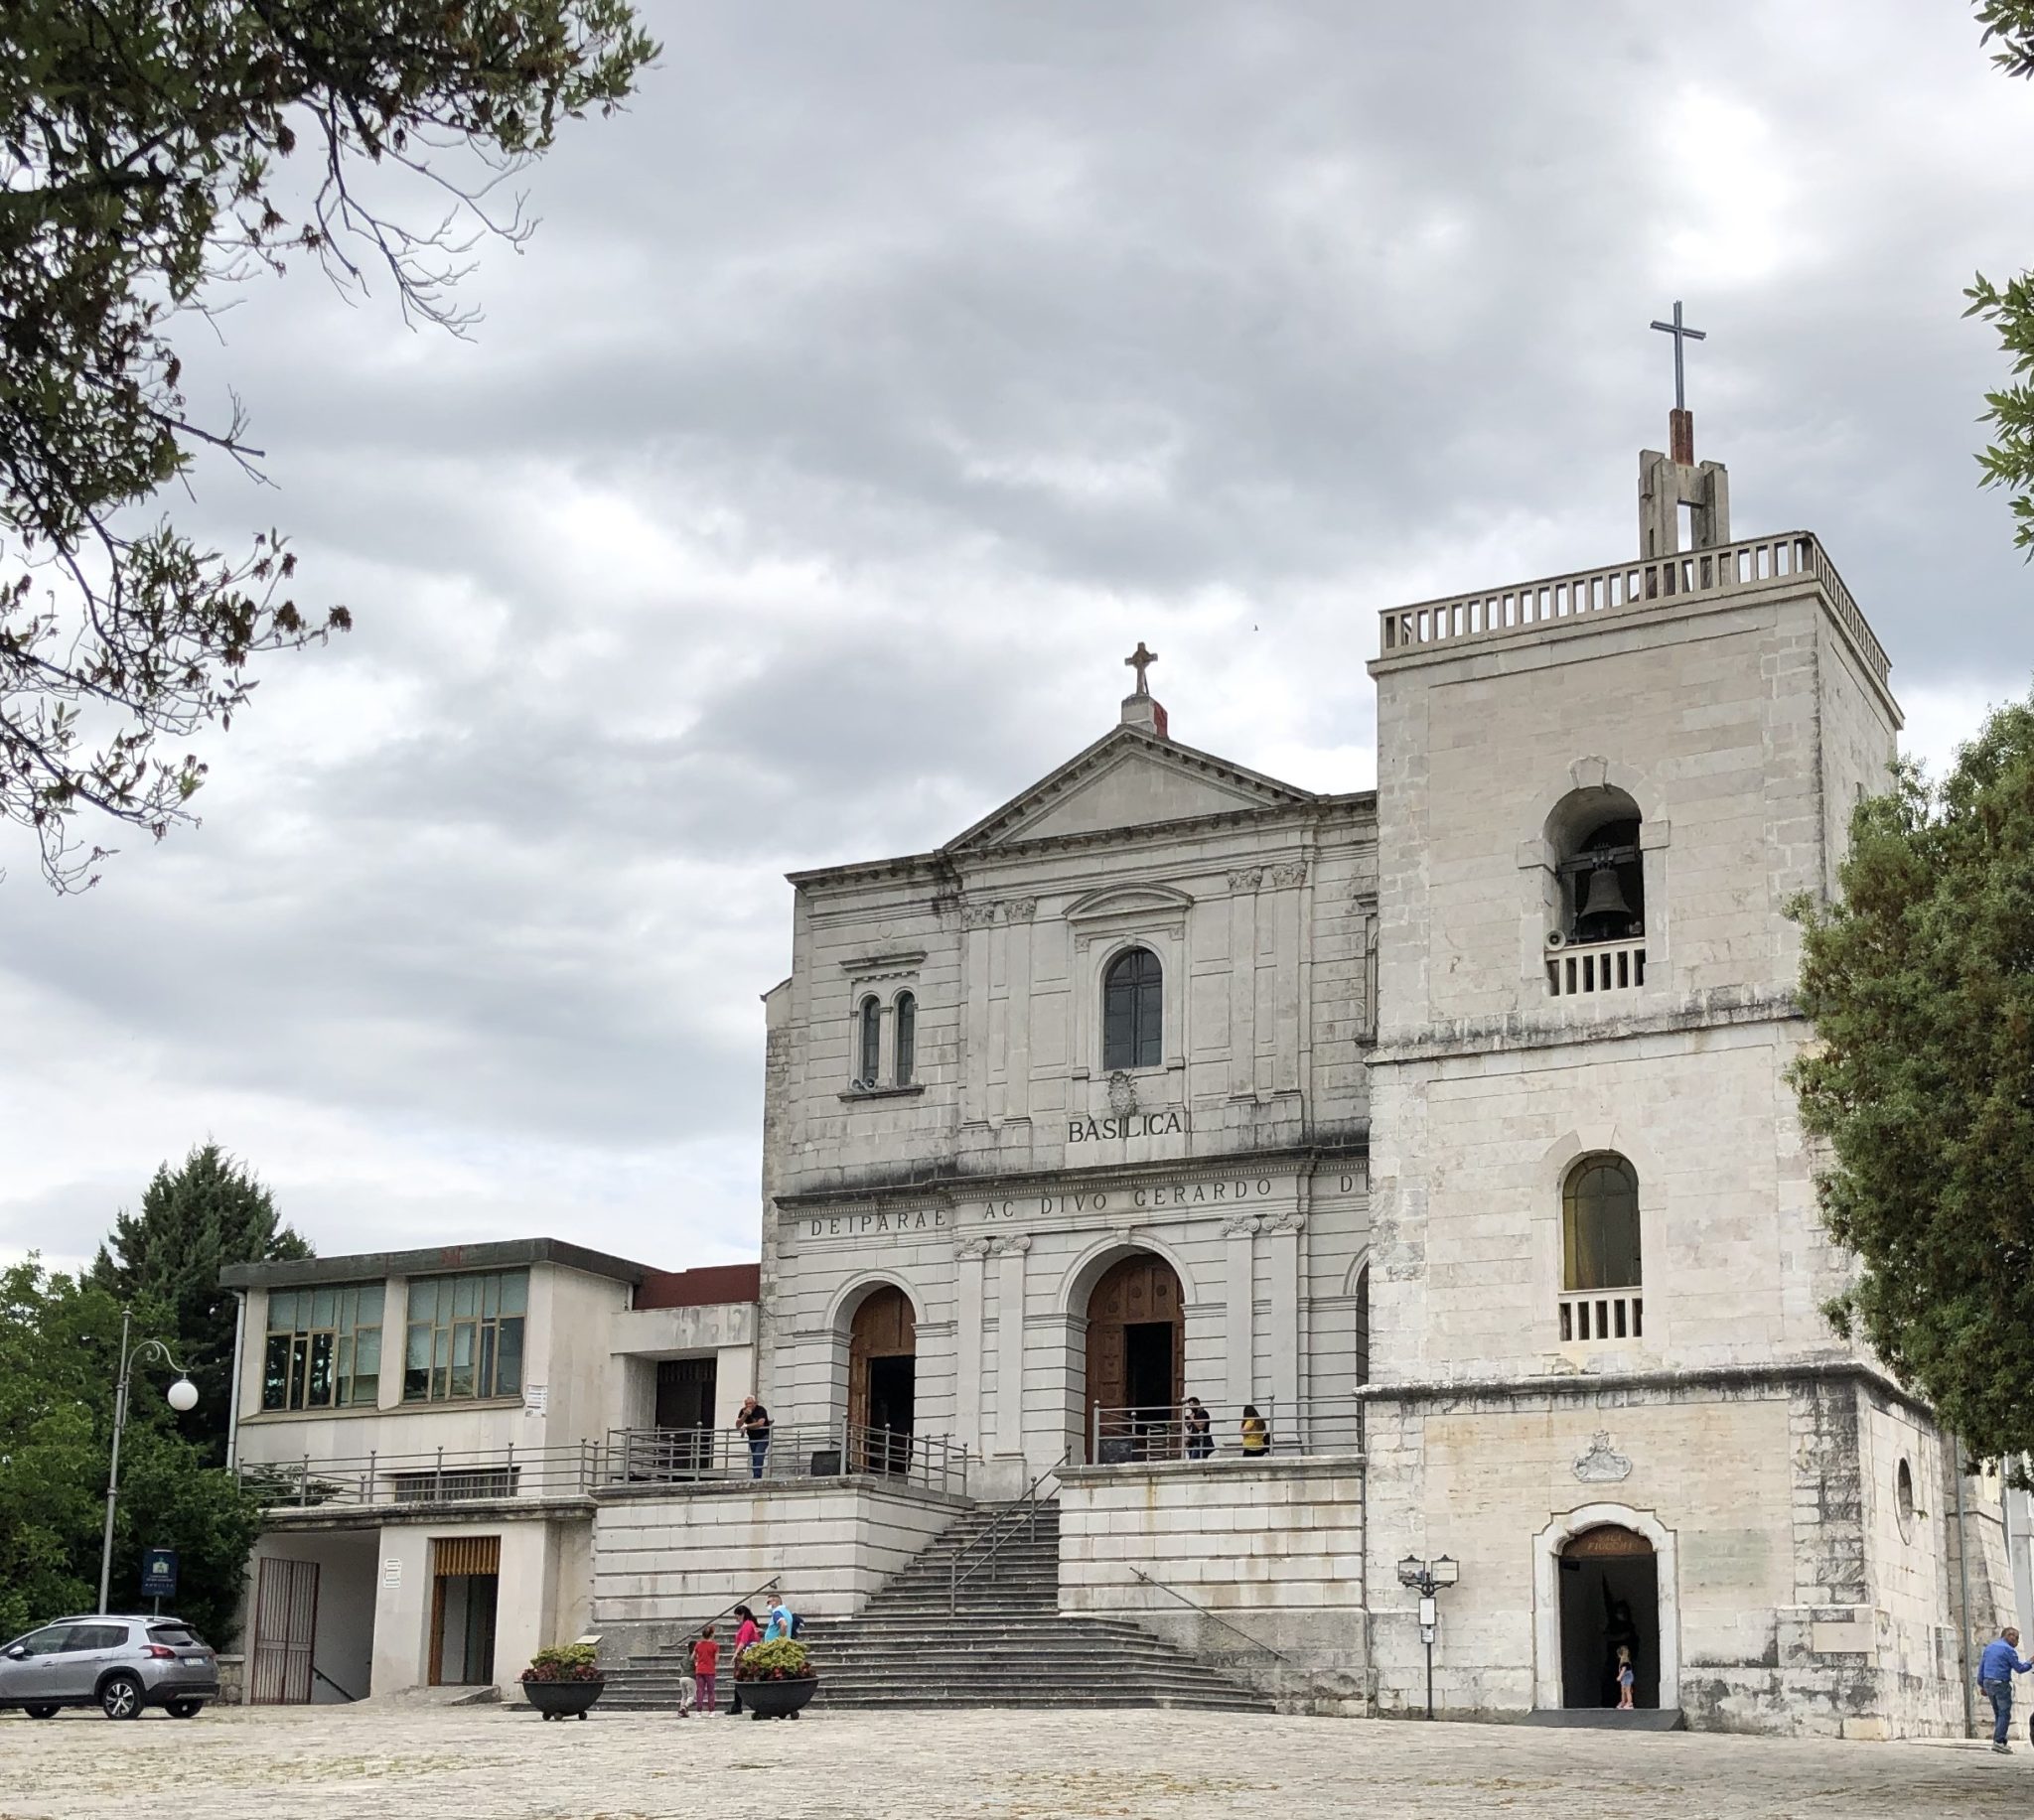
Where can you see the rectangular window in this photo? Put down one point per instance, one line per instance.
(323, 1348)
(465, 1336)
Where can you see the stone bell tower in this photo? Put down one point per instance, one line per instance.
(1600, 1378)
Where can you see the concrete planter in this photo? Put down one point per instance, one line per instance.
(778, 1699)
(562, 1698)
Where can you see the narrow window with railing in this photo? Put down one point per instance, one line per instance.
(1596, 929)
(324, 1347)
(465, 1337)
(1600, 1275)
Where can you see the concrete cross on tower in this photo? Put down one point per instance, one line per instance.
(1141, 661)
(1681, 423)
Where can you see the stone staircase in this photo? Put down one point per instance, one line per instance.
(1005, 1645)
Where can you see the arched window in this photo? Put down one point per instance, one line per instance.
(1600, 1224)
(1602, 877)
(1132, 1011)
(871, 1044)
(906, 1037)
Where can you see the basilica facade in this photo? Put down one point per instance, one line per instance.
(1435, 1140)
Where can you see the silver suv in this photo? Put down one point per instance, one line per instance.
(118, 1664)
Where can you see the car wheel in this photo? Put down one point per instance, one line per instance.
(120, 1697)
(185, 1708)
(39, 1712)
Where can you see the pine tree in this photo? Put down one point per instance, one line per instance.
(210, 1212)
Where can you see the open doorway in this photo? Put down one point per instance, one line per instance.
(1136, 1349)
(685, 1389)
(466, 1581)
(882, 1382)
(1610, 1599)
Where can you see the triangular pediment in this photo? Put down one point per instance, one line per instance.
(1128, 778)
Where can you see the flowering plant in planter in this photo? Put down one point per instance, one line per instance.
(564, 1662)
(782, 1660)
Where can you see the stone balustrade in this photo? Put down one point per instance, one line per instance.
(1589, 1315)
(1730, 568)
(1600, 967)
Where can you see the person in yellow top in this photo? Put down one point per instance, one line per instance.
(1256, 1432)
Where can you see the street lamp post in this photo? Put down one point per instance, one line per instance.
(1427, 1578)
(183, 1395)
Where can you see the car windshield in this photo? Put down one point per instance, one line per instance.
(173, 1636)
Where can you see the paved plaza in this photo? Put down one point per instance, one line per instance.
(480, 1763)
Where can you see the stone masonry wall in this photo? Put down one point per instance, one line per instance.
(665, 1559)
(1272, 1555)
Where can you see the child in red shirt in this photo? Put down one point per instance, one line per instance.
(705, 1665)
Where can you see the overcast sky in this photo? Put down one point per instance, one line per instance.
(869, 391)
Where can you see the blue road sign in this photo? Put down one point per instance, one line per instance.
(159, 1573)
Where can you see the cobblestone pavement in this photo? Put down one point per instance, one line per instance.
(480, 1763)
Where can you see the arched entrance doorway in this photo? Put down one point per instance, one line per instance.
(882, 1382)
(1137, 1358)
(1610, 1596)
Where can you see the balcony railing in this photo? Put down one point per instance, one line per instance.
(1598, 1314)
(1128, 1436)
(1629, 587)
(702, 1456)
(447, 1475)
(1600, 967)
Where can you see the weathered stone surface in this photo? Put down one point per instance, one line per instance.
(384, 1762)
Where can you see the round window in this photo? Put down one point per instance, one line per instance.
(1903, 1500)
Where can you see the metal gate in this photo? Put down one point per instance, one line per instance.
(285, 1621)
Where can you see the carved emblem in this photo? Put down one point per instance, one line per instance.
(1600, 1464)
(1122, 1094)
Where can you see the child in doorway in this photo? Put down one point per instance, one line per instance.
(705, 1665)
(1626, 1679)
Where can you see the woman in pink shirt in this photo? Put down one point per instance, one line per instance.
(747, 1631)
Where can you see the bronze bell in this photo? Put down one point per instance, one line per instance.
(1605, 899)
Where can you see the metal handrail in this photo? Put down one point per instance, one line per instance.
(1139, 1432)
(1023, 1510)
(728, 1610)
(442, 1475)
(681, 1456)
(1196, 1605)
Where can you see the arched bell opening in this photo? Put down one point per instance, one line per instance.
(1610, 1600)
(882, 1382)
(1136, 1359)
(1599, 870)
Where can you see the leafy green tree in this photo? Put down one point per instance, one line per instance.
(2009, 460)
(194, 1220)
(60, 1340)
(1920, 981)
(152, 153)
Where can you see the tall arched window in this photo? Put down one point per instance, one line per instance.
(871, 1044)
(1133, 1011)
(906, 1041)
(1600, 1224)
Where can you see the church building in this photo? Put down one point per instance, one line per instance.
(1365, 1239)
(1445, 1129)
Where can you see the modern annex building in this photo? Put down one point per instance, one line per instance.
(1436, 1140)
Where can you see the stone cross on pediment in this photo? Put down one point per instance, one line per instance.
(1141, 661)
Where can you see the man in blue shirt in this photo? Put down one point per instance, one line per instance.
(781, 1624)
(1995, 1671)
